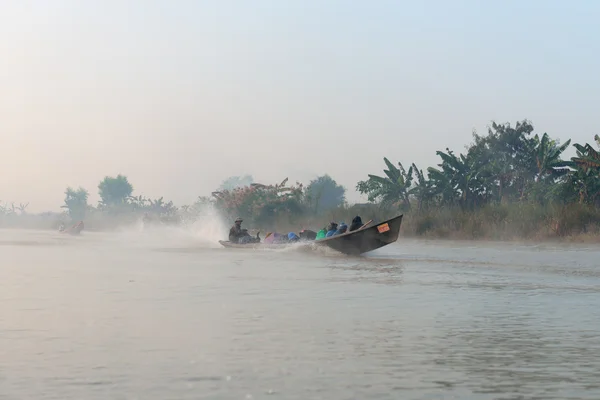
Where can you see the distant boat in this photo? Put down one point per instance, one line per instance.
(356, 242)
(74, 230)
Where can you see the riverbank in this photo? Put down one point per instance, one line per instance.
(510, 222)
(522, 222)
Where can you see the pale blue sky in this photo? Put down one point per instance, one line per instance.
(179, 95)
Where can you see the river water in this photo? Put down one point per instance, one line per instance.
(166, 315)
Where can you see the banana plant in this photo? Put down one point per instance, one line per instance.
(389, 190)
(587, 156)
(458, 172)
(547, 157)
(423, 190)
(586, 177)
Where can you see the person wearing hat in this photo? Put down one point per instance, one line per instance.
(236, 232)
(239, 235)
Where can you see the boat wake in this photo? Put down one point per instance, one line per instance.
(305, 248)
(203, 233)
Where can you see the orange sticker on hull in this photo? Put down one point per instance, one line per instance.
(383, 228)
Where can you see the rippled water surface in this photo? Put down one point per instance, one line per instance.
(163, 316)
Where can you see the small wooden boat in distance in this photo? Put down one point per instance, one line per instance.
(356, 242)
(365, 239)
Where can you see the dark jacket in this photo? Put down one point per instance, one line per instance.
(236, 232)
(356, 223)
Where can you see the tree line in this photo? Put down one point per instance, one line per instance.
(510, 164)
(237, 195)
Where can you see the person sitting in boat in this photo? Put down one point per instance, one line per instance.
(307, 235)
(331, 229)
(356, 223)
(270, 238)
(236, 232)
(342, 229)
(239, 235)
(321, 234)
(275, 238)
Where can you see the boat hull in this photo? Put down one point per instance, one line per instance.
(366, 239)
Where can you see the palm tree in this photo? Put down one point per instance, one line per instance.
(138, 201)
(587, 156)
(23, 208)
(546, 155)
(586, 177)
(458, 175)
(390, 190)
(423, 190)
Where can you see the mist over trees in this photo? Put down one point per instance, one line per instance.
(76, 203)
(509, 180)
(234, 182)
(323, 193)
(114, 190)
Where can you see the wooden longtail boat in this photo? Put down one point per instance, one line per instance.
(356, 242)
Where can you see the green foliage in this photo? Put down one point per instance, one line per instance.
(261, 204)
(422, 190)
(584, 182)
(459, 179)
(114, 191)
(508, 183)
(507, 165)
(323, 193)
(157, 207)
(391, 191)
(76, 203)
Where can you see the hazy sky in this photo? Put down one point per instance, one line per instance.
(179, 95)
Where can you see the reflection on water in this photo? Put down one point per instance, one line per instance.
(168, 316)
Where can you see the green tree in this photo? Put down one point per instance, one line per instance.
(505, 159)
(114, 191)
(459, 176)
(585, 180)
(261, 204)
(547, 158)
(393, 189)
(587, 156)
(323, 193)
(422, 191)
(76, 202)
(548, 170)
